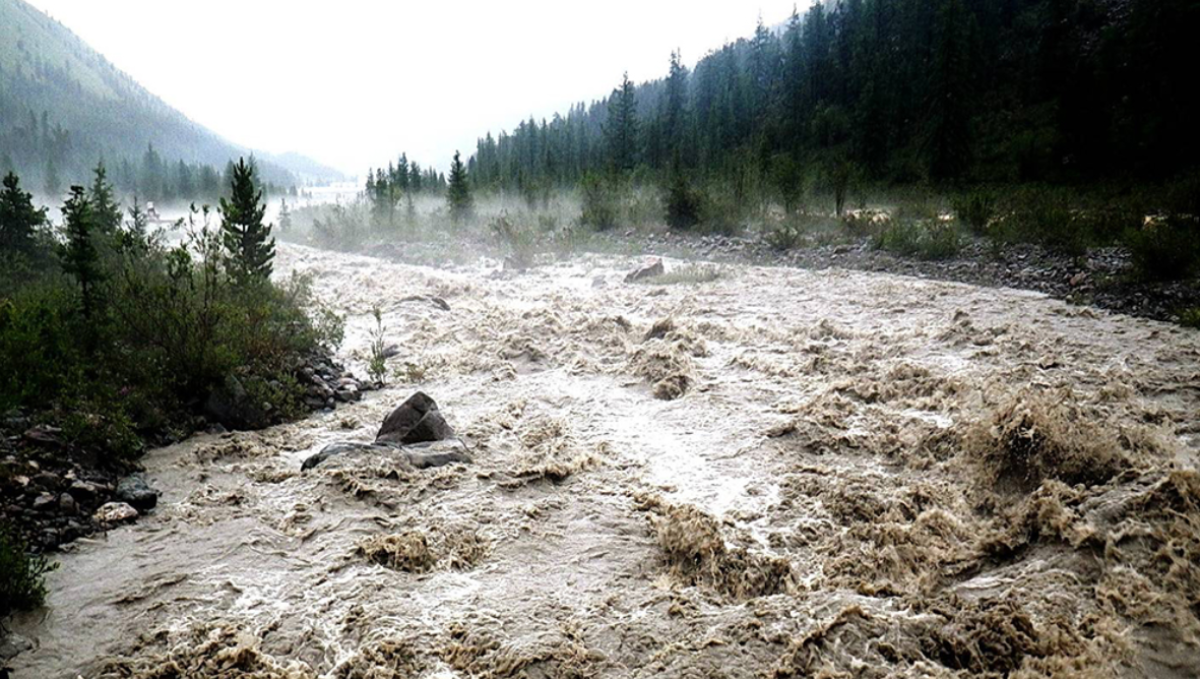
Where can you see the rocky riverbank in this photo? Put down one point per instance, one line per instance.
(53, 492)
(1102, 278)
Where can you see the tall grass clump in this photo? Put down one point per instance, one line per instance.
(22, 575)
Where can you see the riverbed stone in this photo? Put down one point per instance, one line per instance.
(418, 456)
(134, 491)
(652, 269)
(417, 420)
(114, 513)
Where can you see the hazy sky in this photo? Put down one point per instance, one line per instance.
(354, 82)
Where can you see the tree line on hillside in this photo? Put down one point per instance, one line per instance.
(402, 181)
(894, 91)
(63, 107)
(49, 155)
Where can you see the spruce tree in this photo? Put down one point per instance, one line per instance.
(621, 127)
(105, 210)
(52, 182)
(19, 219)
(78, 253)
(459, 193)
(249, 247)
(674, 103)
(285, 216)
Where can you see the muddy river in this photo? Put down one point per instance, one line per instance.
(775, 473)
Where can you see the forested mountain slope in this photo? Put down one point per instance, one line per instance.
(899, 91)
(63, 106)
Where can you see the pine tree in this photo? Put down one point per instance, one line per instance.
(249, 247)
(78, 254)
(51, 180)
(19, 219)
(674, 103)
(105, 210)
(137, 233)
(949, 137)
(459, 193)
(621, 127)
(285, 217)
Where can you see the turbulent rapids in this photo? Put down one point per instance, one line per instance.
(768, 472)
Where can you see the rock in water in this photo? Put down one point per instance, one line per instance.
(417, 420)
(656, 268)
(113, 513)
(422, 456)
(232, 406)
(335, 449)
(134, 491)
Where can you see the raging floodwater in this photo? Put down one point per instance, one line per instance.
(776, 473)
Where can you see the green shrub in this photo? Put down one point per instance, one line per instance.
(923, 240)
(599, 208)
(1044, 217)
(682, 209)
(864, 223)
(721, 213)
(1164, 249)
(1190, 318)
(517, 240)
(377, 366)
(919, 207)
(22, 575)
(173, 326)
(975, 209)
(790, 233)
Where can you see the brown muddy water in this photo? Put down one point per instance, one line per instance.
(776, 473)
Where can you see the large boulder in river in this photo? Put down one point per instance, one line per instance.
(134, 491)
(418, 456)
(232, 406)
(417, 420)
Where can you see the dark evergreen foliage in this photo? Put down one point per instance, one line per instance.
(951, 91)
(458, 193)
(19, 219)
(249, 247)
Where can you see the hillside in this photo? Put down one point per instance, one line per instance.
(63, 106)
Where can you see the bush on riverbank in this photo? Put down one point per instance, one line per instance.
(22, 575)
(122, 339)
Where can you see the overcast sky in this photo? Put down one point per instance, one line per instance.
(354, 82)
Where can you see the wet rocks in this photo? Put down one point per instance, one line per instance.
(655, 268)
(114, 513)
(419, 456)
(232, 406)
(326, 384)
(415, 433)
(134, 491)
(417, 420)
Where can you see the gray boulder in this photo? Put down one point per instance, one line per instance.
(134, 491)
(421, 456)
(417, 420)
(651, 270)
(232, 406)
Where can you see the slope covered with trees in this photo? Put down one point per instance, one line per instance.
(63, 108)
(897, 91)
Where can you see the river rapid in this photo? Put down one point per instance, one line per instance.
(777, 473)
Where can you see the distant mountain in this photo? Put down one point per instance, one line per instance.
(304, 168)
(63, 106)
